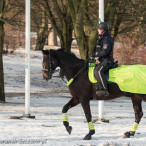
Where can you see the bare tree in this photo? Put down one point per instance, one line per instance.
(3, 5)
(85, 23)
(7, 17)
(60, 19)
(124, 17)
(82, 16)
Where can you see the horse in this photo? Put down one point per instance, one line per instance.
(82, 90)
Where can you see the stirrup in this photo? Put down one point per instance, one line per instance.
(102, 93)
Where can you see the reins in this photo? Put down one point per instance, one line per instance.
(72, 79)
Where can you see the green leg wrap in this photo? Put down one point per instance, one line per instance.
(66, 123)
(91, 125)
(65, 117)
(134, 127)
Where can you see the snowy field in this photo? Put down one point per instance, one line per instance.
(47, 100)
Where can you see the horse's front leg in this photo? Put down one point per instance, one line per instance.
(86, 107)
(138, 115)
(73, 102)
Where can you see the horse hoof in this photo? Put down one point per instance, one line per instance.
(87, 137)
(69, 129)
(126, 135)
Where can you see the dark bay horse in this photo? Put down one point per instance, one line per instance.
(82, 90)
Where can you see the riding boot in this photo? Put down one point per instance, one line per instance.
(101, 87)
(100, 91)
(103, 92)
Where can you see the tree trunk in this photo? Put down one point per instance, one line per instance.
(92, 41)
(2, 93)
(79, 26)
(81, 42)
(41, 39)
(67, 35)
(42, 33)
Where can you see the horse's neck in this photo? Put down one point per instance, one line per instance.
(68, 66)
(67, 69)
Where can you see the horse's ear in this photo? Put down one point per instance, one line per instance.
(61, 49)
(45, 52)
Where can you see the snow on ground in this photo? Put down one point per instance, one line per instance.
(47, 100)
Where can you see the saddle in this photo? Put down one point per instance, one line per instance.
(91, 67)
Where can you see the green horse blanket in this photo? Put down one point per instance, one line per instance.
(130, 78)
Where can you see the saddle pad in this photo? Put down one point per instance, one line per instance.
(91, 72)
(130, 78)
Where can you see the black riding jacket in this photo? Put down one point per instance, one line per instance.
(104, 48)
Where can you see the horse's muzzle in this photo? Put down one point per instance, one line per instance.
(46, 76)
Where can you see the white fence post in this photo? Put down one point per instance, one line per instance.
(101, 18)
(27, 57)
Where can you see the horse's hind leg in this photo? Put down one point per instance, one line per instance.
(86, 107)
(138, 115)
(73, 102)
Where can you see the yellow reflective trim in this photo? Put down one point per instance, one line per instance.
(134, 127)
(91, 125)
(65, 117)
(70, 81)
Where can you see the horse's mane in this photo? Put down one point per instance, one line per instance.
(70, 55)
(67, 53)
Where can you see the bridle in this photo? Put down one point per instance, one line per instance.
(49, 70)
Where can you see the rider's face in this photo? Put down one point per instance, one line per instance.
(100, 31)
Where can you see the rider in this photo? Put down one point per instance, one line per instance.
(104, 55)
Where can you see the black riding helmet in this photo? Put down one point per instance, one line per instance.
(104, 26)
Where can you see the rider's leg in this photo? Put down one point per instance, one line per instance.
(102, 81)
(99, 75)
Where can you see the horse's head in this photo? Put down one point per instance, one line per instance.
(49, 64)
